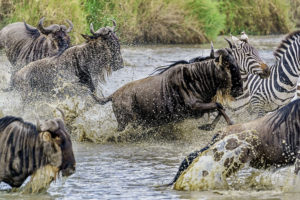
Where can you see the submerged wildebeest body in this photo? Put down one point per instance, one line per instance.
(25, 148)
(24, 43)
(84, 64)
(179, 92)
(273, 140)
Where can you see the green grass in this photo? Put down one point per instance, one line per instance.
(159, 21)
(257, 17)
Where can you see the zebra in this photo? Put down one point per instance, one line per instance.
(266, 95)
(250, 63)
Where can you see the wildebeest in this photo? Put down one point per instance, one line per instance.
(84, 64)
(272, 140)
(177, 92)
(24, 43)
(26, 147)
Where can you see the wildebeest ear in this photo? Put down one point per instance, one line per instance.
(86, 37)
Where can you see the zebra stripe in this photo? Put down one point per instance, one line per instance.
(250, 63)
(277, 90)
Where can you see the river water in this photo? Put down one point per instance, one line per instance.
(135, 163)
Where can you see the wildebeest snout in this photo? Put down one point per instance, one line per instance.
(69, 170)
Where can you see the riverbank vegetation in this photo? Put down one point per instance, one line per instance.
(160, 21)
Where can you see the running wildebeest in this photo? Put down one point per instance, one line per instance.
(272, 140)
(25, 148)
(178, 92)
(24, 43)
(83, 64)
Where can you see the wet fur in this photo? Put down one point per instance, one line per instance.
(278, 134)
(23, 150)
(23, 45)
(85, 64)
(171, 95)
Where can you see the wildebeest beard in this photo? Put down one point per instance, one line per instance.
(24, 149)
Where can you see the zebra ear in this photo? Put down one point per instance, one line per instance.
(236, 40)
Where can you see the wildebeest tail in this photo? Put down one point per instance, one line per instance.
(102, 100)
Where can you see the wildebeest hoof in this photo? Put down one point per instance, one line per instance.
(206, 127)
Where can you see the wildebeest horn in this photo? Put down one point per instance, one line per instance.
(229, 42)
(29, 28)
(62, 114)
(38, 125)
(115, 24)
(70, 26)
(101, 31)
(45, 31)
(212, 52)
(92, 29)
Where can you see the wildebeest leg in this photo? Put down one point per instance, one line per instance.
(202, 107)
(210, 127)
(222, 111)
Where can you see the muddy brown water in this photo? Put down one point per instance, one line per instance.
(134, 164)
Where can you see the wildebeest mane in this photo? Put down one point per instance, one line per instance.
(285, 43)
(5, 121)
(162, 69)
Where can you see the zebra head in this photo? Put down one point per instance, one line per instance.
(248, 58)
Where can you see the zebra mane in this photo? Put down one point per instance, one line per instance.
(285, 43)
(5, 121)
(287, 114)
(164, 68)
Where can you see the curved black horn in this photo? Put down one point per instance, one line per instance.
(92, 29)
(212, 52)
(229, 42)
(62, 114)
(31, 29)
(114, 25)
(70, 26)
(38, 125)
(41, 27)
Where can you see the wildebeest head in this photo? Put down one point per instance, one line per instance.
(108, 37)
(58, 33)
(56, 128)
(248, 57)
(226, 60)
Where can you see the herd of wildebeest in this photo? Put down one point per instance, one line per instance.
(43, 59)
